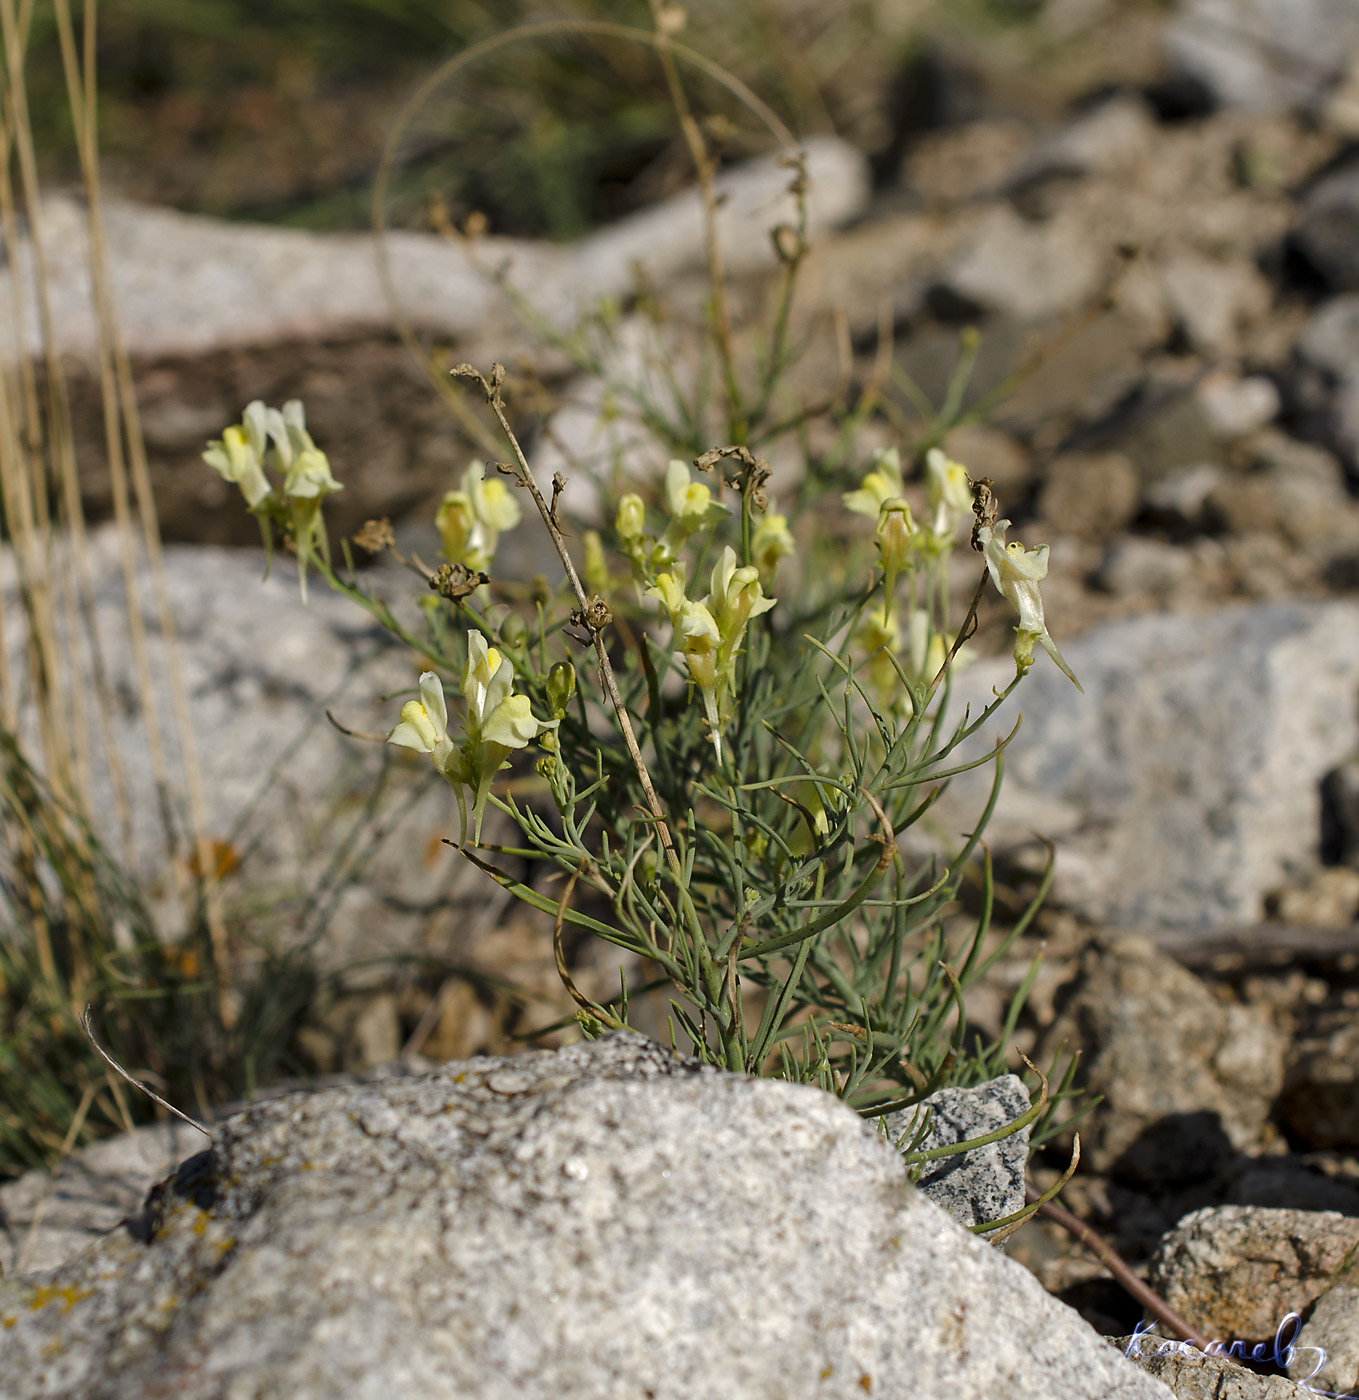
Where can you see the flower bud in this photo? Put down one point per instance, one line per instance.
(630, 521)
(561, 686)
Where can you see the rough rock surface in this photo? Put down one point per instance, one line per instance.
(1332, 1328)
(987, 1182)
(1195, 1375)
(1238, 1271)
(1184, 784)
(283, 789)
(47, 1218)
(603, 1221)
(1186, 1080)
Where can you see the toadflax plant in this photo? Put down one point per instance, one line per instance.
(726, 786)
(725, 719)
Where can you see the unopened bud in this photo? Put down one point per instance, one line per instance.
(631, 519)
(561, 686)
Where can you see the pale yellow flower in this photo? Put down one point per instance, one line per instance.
(1017, 572)
(950, 497)
(878, 487)
(424, 724)
(471, 519)
(770, 541)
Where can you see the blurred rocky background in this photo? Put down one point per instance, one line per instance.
(1149, 211)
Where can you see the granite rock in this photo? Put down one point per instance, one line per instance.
(603, 1221)
(1238, 1271)
(47, 1218)
(986, 1183)
(184, 284)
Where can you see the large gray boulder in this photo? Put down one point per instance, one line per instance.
(604, 1221)
(1184, 784)
(185, 284)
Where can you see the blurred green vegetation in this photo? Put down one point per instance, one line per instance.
(277, 110)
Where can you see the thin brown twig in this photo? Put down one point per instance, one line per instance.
(1109, 1257)
(600, 1013)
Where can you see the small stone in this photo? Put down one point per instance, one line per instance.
(1328, 231)
(1328, 899)
(1212, 301)
(1327, 1347)
(1032, 272)
(986, 1183)
(1182, 497)
(1238, 1271)
(1186, 1080)
(1113, 137)
(1140, 566)
(1320, 1099)
(1330, 340)
(1263, 55)
(1235, 407)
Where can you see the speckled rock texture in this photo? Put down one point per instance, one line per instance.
(1194, 1375)
(605, 1221)
(1328, 1344)
(1238, 1271)
(47, 1218)
(985, 1183)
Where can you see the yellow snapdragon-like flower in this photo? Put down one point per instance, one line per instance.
(1017, 572)
(879, 486)
(770, 541)
(691, 507)
(708, 634)
(424, 725)
(471, 519)
(735, 595)
(668, 591)
(280, 441)
(238, 455)
(880, 496)
(498, 722)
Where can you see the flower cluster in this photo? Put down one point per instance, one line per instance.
(497, 722)
(708, 633)
(905, 546)
(472, 519)
(279, 441)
